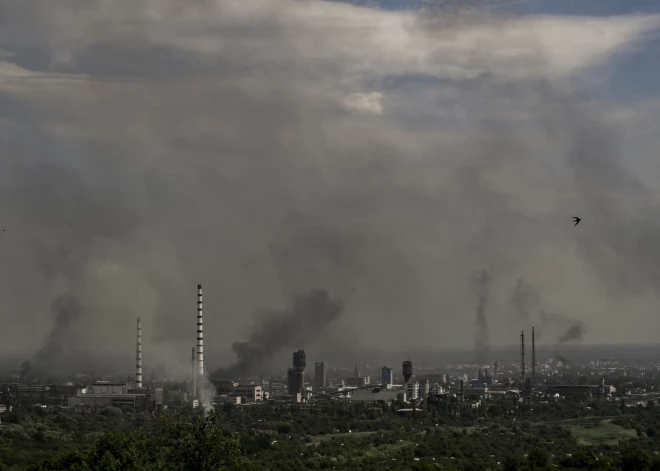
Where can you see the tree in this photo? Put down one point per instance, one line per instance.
(539, 458)
(202, 445)
(115, 451)
(635, 460)
(73, 461)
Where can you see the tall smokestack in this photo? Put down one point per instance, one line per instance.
(138, 356)
(200, 340)
(194, 375)
(533, 360)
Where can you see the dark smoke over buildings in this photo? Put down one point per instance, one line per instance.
(570, 331)
(65, 310)
(481, 285)
(139, 158)
(301, 325)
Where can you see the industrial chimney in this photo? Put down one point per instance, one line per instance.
(138, 356)
(200, 341)
(194, 375)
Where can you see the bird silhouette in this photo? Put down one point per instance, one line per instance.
(576, 220)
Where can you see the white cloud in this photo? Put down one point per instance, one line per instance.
(367, 103)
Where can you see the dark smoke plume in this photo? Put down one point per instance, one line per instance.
(65, 310)
(277, 330)
(574, 332)
(481, 284)
(524, 300)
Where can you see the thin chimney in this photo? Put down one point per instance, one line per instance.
(200, 340)
(533, 360)
(138, 356)
(194, 375)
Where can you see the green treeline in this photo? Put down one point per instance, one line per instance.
(369, 437)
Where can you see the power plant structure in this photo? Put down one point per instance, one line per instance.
(407, 371)
(200, 342)
(297, 373)
(194, 374)
(320, 375)
(138, 356)
(103, 394)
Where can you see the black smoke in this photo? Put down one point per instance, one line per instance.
(66, 309)
(276, 330)
(481, 285)
(572, 331)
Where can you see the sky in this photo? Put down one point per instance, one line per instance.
(387, 154)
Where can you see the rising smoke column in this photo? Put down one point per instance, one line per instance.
(481, 285)
(66, 309)
(276, 330)
(524, 299)
(572, 331)
(269, 140)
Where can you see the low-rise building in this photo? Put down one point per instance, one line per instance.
(357, 382)
(375, 395)
(249, 392)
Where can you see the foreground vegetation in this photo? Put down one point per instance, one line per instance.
(366, 437)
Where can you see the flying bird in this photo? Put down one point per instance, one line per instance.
(576, 220)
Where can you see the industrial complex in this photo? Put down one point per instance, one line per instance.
(463, 386)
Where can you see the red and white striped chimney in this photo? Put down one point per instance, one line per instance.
(138, 356)
(200, 340)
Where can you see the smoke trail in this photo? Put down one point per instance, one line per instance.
(571, 331)
(523, 300)
(481, 284)
(303, 323)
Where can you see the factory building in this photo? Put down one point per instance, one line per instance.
(386, 376)
(320, 375)
(412, 390)
(357, 382)
(296, 375)
(106, 394)
(376, 395)
(249, 393)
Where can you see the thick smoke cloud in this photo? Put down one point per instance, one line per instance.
(481, 285)
(304, 324)
(574, 333)
(146, 150)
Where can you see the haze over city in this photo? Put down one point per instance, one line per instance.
(421, 167)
